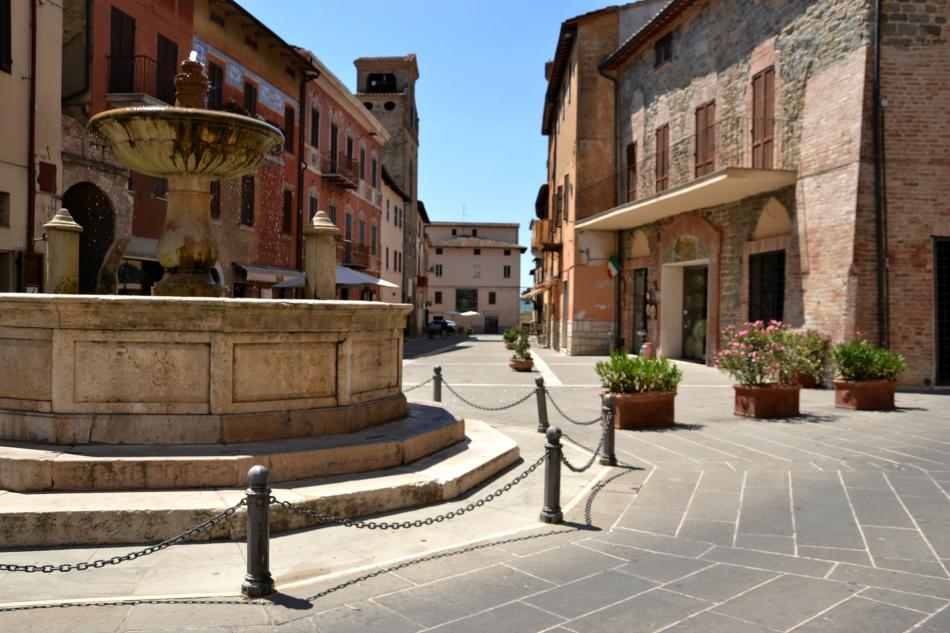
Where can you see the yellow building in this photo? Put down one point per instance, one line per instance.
(30, 62)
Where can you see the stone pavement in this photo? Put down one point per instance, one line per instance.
(834, 521)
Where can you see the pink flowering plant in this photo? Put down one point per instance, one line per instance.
(758, 353)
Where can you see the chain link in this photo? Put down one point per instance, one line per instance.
(397, 525)
(115, 560)
(590, 462)
(419, 386)
(478, 406)
(569, 418)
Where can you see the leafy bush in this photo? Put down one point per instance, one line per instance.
(522, 345)
(759, 353)
(635, 374)
(510, 335)
(810, 350)
(859, 360)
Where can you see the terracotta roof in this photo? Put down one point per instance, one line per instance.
(507, 225)
(475, 242)
(660, 21)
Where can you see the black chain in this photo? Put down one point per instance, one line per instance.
(569, 418)
(396, 525)
(590, 462)
(115, 560)
(414, 387)
(478, 406)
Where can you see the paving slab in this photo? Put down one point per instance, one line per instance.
(589, 594)
(786, 601)
(641, 614)
(866, 616)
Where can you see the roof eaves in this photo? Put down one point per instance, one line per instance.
(661, 20)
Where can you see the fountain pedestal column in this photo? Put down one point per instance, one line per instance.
(320, 257)
(187, 251)
(62, 254)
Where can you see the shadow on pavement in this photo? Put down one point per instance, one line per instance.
(677, 426)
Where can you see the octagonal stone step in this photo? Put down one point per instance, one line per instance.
(34, 468)
(48, 519)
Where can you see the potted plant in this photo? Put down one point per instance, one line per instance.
(811, 350)
(510, 336)
(758, 356)
(868, 375)
(521, 360)
(644, 389)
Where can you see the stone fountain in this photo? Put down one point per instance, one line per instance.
(166, 401)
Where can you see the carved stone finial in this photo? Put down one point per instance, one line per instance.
(191, 84)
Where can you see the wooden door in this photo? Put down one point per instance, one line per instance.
(695, 281)
(122, 53)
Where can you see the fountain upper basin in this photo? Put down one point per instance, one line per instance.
(166, 141)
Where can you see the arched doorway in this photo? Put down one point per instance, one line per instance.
(92, 210)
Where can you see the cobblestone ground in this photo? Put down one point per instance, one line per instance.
(835, 522)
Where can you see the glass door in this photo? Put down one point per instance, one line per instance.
(639, 308)
(694, 312)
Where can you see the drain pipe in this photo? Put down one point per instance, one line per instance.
(619, 280)
(31, 136)
(880, 211)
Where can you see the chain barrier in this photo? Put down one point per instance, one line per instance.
(593, 457)
(115, 560)
(419, 386)
(478, 406)
(569, 418)
(397, 525)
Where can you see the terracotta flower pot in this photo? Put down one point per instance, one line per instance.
(643, 410)
(509, 345)
(521, 365)
(866, 395)
(767, 401)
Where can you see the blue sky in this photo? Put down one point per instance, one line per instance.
(480, 92)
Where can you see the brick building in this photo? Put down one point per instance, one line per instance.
(392, 236)
(759, 176)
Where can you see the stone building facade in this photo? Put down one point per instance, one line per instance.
(750, 147)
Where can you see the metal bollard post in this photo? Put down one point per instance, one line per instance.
(258, 581)
(608, 457)
(437, 383)
(542, 405)
(551, 513)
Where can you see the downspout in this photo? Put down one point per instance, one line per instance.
(619, 245)
(880, 213)
(31, 149)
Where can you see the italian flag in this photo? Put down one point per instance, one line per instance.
(613, 267)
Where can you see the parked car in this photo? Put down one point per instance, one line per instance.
(435, 327)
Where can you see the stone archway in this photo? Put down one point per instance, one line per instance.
(93, 211)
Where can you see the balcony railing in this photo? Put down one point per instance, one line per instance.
(341, 170)
(355, 255)
(729, 142)
(140, 74)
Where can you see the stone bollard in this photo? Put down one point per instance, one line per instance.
(258, 581)
(62, 254)
(607, 456)
(551, 513)
(542, 404)
(320, 257)
(437, 383)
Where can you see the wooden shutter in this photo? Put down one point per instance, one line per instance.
(662, 158)
(631, 172)
(287, 224)
(165, 72)
(121, 53)
(6, 36)
(250, 98)
(290, 116)
(763, 118)
(705, 139)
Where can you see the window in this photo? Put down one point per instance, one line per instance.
(507, 251)
(381, 82)
(763, 118)
(477, 271)
(362, 163)
(387, 258)
(362, 227)
(372, 174)
(314, 205)
(290, 116)
(372, 239)
(474, 232)
(438, 270)
(454, 232)
(160, 191)
(250, 98)
(438, 297)
(631, 172)
(314, 127)
(121, 48)
(215, 86)
(438, 251)
(349, 149)
(766, 286)
(387, 210)
(478, 251)
(215, 199)
(507, 272)
(165, 68)
(663, 50)
(705, 139)
(662, 158)
(287, 220)
(558, 204)
(567, 198)
(4, 210)
(333, 213)
(348, 226)
(247, 200)
(491, 297)
(466, 299)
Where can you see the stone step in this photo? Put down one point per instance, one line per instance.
(150, 516)
(36, 468)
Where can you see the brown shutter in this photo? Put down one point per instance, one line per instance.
(165, 72)
(662, 158)
(121, 52)
(631, 172)
(705, 138)
(763, 118)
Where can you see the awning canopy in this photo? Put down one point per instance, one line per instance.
(729, 184)
(344, 277)
(268, 274)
